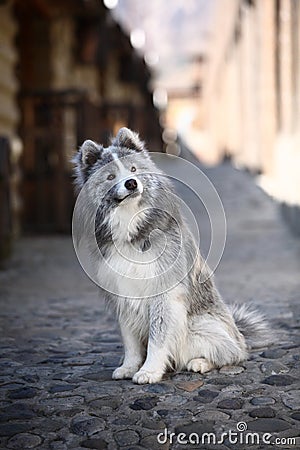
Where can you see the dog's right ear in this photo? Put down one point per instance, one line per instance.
(129, 139)
(88, 154)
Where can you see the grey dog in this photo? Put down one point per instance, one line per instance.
(169, 310)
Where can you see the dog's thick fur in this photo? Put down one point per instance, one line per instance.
(184, 326)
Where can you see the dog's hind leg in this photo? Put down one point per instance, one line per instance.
(212, 343)
(134, 354)
(200, 365)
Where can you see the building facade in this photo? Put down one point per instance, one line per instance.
(251, 95)
(67, 73)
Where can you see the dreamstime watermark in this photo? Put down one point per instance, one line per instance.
(240, 436)
(125, 270)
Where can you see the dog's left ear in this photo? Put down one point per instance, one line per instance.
(88, 154)
(129, 139)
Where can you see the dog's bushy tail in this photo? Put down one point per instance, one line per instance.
(253, 325)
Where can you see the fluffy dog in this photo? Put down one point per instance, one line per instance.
(169, 310)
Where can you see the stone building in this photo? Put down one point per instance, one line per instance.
(67, 73)
(251, 95)
(10, 143)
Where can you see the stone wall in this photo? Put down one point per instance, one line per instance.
(9, 114)
(10, 143)
(252, 93)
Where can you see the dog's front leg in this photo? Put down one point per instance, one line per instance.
(167, 323)
(134, 354)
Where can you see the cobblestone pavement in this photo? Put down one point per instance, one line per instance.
(59, 347)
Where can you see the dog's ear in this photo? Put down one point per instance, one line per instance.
(129, 139)
(88, 154)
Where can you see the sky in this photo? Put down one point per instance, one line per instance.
(175, 32)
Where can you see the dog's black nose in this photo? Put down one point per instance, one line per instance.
(131, 184)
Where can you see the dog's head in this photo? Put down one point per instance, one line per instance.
(118, 172)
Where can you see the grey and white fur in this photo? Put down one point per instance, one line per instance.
(169, 319)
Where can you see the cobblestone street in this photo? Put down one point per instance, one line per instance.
(59, 346)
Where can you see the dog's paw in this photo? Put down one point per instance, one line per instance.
(201, 365)
(144, 377)
(123, 372)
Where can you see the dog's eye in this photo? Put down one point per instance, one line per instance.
(133, 169)
(111, 176)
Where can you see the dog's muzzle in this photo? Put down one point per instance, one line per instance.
(131, 184)
(131, 187)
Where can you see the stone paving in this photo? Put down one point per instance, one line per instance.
(59, 347)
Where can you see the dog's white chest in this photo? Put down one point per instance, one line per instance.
(124, 222)
(126, 270)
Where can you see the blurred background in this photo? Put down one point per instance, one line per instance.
(221, 77)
